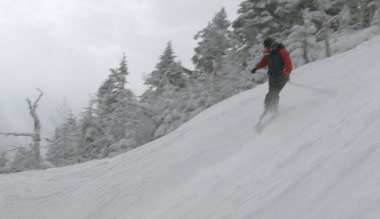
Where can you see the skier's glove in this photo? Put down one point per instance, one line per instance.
(253, 71)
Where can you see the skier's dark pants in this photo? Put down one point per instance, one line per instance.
(272, 98)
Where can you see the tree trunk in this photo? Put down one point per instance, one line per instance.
(305, 46)
(37, 130)
(325, 29)
(378, 12)
(213, 82)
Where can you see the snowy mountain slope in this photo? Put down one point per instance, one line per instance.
(319, 158)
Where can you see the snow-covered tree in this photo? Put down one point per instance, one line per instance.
(345, 19)
(116, 112)
(301, 43)
(213, 43)
(3, 162)
(23, 160)
(89, 132)
(376, 15)
(167, 83)
(63, 146)
(170, 111)
(366, 12)
(258, 19)
(121, 123)
(168, 71)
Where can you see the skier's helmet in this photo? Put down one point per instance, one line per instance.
(268, 42)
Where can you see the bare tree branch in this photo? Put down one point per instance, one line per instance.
(18, 134)
(11, 150)
(33, 107)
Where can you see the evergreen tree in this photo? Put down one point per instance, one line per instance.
(110, 99)
(170, 111)
(89, 132)
(219, 65)
(364, 13)
(63, 146)
(121, 123)
(119, 75)
(111, 87)
(167, 71)
(258, 19)
(214, 41)
(301, 43)
(167, 83)
(117, 116)
(23, 160)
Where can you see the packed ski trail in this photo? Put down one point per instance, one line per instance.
(319, 158)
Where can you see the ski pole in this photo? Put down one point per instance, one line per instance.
(311, 88)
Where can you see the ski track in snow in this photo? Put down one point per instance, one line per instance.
(319, 158)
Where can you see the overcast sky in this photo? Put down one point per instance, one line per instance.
(66, 48)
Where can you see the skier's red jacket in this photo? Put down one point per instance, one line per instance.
(278, 62)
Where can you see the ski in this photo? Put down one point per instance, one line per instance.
(264, 120)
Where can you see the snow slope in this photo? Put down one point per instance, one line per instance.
(319, 158)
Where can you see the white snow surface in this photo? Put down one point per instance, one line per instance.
(319, 158)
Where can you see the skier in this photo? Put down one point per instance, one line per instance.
(279, 67)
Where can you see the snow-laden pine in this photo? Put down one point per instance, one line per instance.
(167, 84)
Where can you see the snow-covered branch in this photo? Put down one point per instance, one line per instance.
(32, 111)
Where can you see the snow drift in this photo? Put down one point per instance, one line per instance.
(319, 158)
